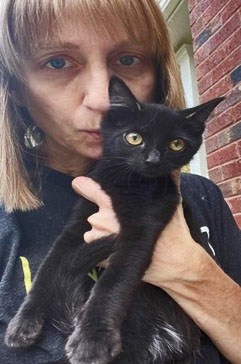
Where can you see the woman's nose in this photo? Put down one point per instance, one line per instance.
(97, 91)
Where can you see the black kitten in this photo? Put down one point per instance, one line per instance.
(120, 319)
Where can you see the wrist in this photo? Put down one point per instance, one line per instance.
(179, 267)
(198, 273)
(213, 301)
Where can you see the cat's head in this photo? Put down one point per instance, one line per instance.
(151, 139)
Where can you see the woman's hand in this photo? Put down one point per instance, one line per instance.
(172, 249)
(103, 222)
(184, 270)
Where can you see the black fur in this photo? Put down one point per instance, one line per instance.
(120, 319)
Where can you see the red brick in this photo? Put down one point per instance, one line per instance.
(231, 170)
(215, 174)
(219, 55)
(231, 187)
(224, 138)
(206, 66)
(238, 219)
(207, 16)
(211, 144)
(207, 33)
(220, 122)
(218, 38)
(198, 10)
(206, 82)
(232, 6)
(231, 62)
(192, 4)
(222, 156)
(232, 98)
(236, 110)
(239, 147)
(234, 204)
(219, 89)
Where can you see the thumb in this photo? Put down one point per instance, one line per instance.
(91, 190)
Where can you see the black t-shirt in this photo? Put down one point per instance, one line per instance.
(26, 237)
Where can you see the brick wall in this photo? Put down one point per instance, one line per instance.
(216, 33)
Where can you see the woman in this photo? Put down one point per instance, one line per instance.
(56, 60)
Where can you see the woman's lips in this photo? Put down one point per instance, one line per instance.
(94, 134)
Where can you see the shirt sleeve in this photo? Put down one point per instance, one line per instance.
(9, 242)
(225, 235)
(12, 293)
(228, 238)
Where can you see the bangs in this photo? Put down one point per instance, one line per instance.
(28, 24)
(36, 21)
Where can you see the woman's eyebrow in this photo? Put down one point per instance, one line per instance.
(129, 43)
(74, 46)
(58, 45)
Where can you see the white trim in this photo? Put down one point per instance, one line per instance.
(185, 60)
(168, 6)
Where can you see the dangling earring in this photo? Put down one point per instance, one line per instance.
(33, 136)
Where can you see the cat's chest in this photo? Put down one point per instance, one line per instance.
(139, 195)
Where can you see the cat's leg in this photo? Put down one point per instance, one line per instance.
(96, 338)
(26, 325)
(190, 360)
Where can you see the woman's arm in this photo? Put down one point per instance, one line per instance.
(190, 276)
(185, 271)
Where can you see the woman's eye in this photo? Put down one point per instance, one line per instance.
(177, 145)
(133, 138)
(128, 60)
(58, 63)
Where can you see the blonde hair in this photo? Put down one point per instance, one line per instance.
(23, 25)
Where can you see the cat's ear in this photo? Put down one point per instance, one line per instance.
(202, 111)
(121, 96)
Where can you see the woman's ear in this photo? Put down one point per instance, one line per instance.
(16, 91)
(17, 98)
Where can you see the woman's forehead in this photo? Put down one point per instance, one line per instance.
(120, 23)
(69, 28)
(70, 33)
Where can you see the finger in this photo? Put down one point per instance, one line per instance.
(104, 263)
(95, 234)
(91, 190)
(105, 219)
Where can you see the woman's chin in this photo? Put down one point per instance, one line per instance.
(94, 153)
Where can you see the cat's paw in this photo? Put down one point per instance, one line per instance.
(22, 331)
(93, 346)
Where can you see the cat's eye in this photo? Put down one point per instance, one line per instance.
(177, 145)
(133, 138)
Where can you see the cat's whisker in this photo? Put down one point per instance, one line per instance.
(123, 177)
(112, 173)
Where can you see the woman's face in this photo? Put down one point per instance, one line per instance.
(66, 89)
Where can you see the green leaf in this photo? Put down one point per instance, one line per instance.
(93, 275)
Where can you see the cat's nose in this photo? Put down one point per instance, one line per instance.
(153, 157)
